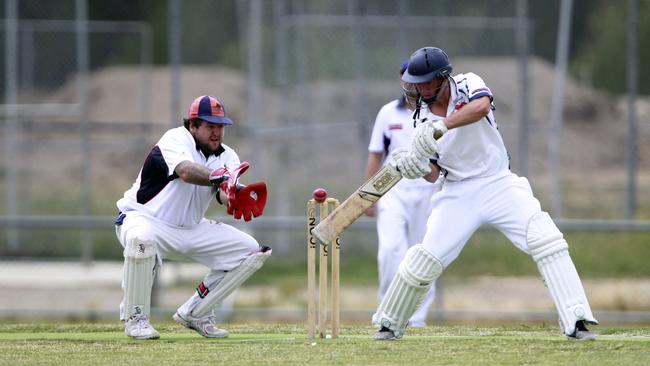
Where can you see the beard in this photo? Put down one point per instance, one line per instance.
(206, 149)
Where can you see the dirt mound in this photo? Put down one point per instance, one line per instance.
(309, 131)
(595, 123)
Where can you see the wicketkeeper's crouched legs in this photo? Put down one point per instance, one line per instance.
(217, 285)
(550, 251)
(415, 276)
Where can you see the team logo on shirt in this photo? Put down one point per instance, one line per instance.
(395, 126)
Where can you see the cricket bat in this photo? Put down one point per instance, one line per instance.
(358, 202)
(355, 205)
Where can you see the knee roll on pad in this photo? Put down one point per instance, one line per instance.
(139, 270)
(551, 253)
(230, 282)
(409, 287)
(543, 237)
(419, 267)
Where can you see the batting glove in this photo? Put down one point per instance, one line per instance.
(411, 166)
(423, 144)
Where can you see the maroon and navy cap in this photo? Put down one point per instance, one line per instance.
(403, 67)
(209, 108)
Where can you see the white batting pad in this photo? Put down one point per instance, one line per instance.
(414, 278)
(230, 282)
(551, 253)
(139, 270)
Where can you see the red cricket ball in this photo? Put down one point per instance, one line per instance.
(320, 195)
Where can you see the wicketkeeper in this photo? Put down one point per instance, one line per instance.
(479, 189)
(162, 217)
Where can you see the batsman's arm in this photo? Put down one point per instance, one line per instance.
(470, 113)
(434, 175)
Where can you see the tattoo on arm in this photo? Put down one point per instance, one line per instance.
(193, 173)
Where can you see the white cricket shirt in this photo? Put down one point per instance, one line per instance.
(475, 150)
(393, 129)
(159, 192)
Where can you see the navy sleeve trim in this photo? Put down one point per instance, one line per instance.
(479, 95)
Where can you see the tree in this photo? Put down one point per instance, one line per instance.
(601, 60)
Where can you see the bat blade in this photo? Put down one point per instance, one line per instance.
(355, 205)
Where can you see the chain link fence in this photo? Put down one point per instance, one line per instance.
(85, 99)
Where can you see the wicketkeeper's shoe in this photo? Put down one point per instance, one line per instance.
(582, 333)
(384, 334)
(204, 326)
(138, 327)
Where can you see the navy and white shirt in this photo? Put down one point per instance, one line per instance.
(159, 192)
(475, 150)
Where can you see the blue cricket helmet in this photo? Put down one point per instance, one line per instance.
(426, 64)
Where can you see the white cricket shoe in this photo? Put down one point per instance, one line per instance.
(138, 327)
(205, 326)
(582, 333)
(384, 334)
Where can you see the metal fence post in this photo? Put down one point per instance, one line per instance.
(11, 124)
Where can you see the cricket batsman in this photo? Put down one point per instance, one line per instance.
(479, 189)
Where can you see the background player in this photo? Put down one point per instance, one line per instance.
(478, 189)
(402, 212)
(162, 217)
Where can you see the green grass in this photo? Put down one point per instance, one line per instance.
(270, 344)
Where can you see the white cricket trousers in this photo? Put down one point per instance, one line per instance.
(504, 201)
(216, 245)
(401, 223)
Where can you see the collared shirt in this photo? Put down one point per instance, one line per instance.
(475, 150)
(159, 192)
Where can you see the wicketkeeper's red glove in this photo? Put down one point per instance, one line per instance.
(249, 201)
(227, 181)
